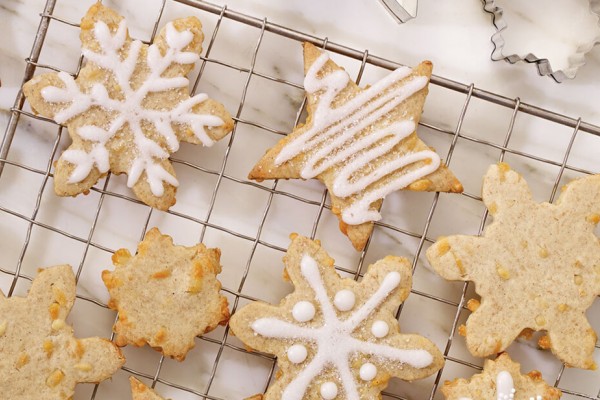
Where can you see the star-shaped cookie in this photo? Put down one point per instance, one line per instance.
(361, 143)
(139, 391)
(333, 337)
(41, 359)
(166, 295)
(501, 379)
(129, 107)
(536, 266)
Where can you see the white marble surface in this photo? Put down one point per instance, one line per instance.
(454, 35)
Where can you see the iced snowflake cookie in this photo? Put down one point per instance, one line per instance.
(41, 359)
(361, 143)
(139, 391)
(166, 295)
(501, 379)
(535, 267)
(129, 107)
(335, 338)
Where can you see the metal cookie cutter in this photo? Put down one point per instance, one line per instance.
(401, 10)
(543, 64)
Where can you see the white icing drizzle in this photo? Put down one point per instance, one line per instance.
(130, 111)
(344, 300)
(337, 130)
(367, 372)
(297, 353)
(329, 390)
(334, 342)
(380, 329)
(505, 388)
(303, 311)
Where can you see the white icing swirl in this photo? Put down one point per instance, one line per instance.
(333, 340)
(335, 138)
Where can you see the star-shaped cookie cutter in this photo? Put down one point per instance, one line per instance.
(544, 68)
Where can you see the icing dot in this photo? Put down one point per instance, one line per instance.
(297, 353)
(367, 372)
(303, 311)
(344, 300)
(380, 329)
(329, 390)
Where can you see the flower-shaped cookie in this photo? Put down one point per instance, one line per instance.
(536, 266)
(361, 143)
(334, 337)
(40, 357)
(501, 379)
(166, 295)
(129, 107)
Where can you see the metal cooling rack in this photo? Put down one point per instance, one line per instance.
(18, 114)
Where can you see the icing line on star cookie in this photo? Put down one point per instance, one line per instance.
(505, 388)
(130, 111)
(337, 130)
(339, 331)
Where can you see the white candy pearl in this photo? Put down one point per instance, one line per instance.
(329, 390)
(303, 311)
(344, 300)
(380, 329)
(297, 353)
(368, 372)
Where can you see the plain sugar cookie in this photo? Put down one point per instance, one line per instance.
(537, 266)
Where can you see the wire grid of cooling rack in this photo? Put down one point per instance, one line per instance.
(262, 25)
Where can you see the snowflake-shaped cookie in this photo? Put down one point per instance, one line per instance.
(361, 143)
(166, 295)
(139, 391)
(536, 266)
(501, 379)
(129, 107)
(336, 338)
(40, 357)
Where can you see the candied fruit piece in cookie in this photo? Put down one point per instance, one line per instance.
(361, 143)
(129, 107)
(501, 379)
(166, 295)
(536, 267)
(41, 359)
(333, 337)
